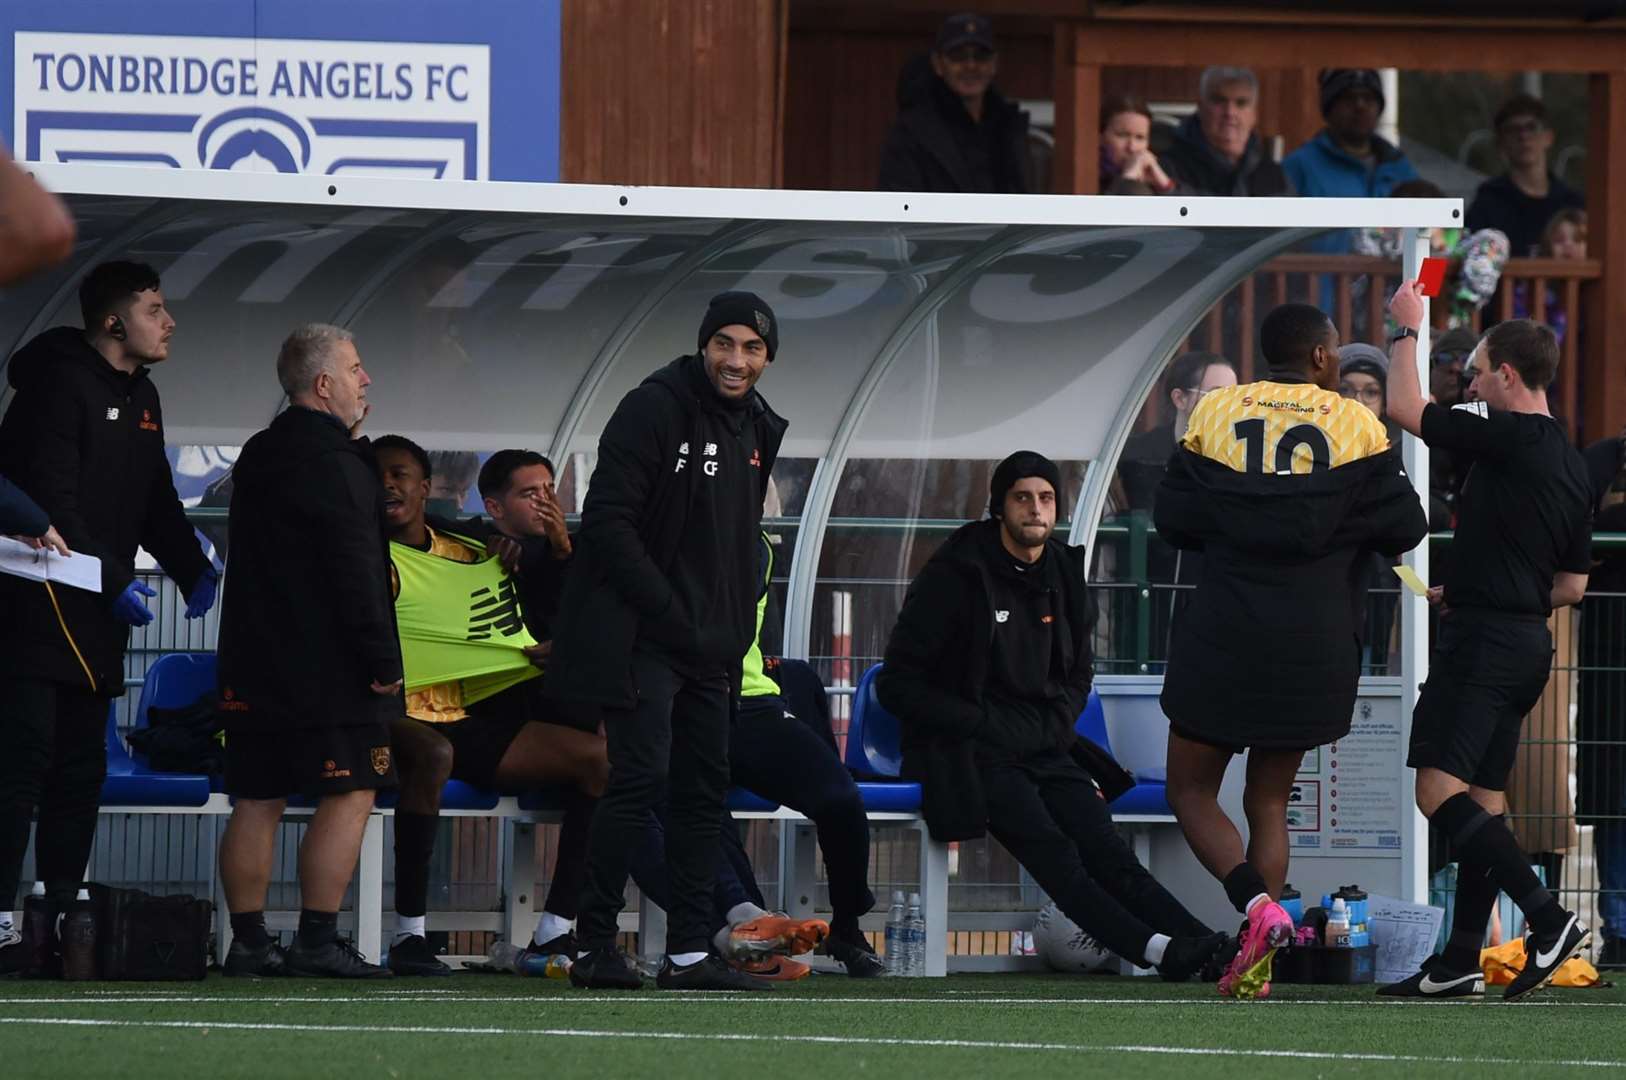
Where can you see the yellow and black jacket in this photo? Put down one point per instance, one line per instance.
(1286, 488)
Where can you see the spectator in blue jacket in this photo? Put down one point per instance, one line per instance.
(1347, 159)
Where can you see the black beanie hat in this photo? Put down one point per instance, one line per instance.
(1020, 466)
(740, 309)
(1336, 81)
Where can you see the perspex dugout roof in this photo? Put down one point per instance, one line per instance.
(498, 314)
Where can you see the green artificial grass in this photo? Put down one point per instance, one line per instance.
(488, 1027)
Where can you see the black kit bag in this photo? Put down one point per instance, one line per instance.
(146, 938)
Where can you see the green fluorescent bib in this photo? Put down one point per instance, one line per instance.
(754, 682)
(459, 622)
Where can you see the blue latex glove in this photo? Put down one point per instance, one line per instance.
(129, 607)
(203, 596)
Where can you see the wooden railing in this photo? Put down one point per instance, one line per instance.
(1361, 286)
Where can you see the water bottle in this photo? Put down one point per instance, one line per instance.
(894, 936)
(79, 940)
(39, 934)
(1337, 933)
(504, 956)
(914, 939)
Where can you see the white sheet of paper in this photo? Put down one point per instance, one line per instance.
(79, 571)
(1404, 935)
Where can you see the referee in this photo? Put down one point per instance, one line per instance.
(1522, 548)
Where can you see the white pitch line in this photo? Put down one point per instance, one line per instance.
(754, 998)
(824, 1040)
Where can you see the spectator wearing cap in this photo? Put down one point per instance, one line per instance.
(1363, 376)
(954, 131)
(1348, 159)
(657, 614)
(1524, 199)
(1216, 150)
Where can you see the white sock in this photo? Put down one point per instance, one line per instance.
(408, 926)
(719, 940)
(1154, 949)
(1262, 898)
(684, 959)
(743, 912)
(550, 926)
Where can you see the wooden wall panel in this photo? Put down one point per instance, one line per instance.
(679, 92)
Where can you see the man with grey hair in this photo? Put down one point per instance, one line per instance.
(310, 666)
(1216, 151)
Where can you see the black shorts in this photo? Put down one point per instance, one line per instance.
(1487, 672)
(308, 761)
(479, 742)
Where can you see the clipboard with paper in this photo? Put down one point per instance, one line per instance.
(77, 571)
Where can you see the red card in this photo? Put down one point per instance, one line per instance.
(1432, 276)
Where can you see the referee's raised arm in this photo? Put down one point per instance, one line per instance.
(1405, 401)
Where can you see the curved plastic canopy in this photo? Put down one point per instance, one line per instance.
(492, 315)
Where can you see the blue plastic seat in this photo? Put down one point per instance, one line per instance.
(130, 783)
(1147, 796)
(874, 741)
(741, 799)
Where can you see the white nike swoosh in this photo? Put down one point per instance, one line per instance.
(1548, 959)
(1429, 986)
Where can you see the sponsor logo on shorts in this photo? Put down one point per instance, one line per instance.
(381, 760)
(331, 770)
(229, 702)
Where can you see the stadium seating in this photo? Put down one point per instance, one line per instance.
(1148, 798)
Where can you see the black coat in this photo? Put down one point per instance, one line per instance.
(620, 591)
(1268, 651)
(936, 676)
(86, 442)
(308, 622)
(1194, 166)
(935, 146)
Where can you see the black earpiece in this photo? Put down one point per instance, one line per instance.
(116, 329)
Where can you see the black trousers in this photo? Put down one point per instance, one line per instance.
(779, 757)
(672, 745)
(54, 761)
(1046, 812)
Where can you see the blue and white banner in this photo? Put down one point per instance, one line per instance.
(433, 89)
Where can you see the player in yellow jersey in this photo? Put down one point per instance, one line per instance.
(1286, 487)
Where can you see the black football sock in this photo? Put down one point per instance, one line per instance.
(1476, 896)
(414, 848)
(1242, 885)
(249, 928)
(318, 928)
(1479, 838)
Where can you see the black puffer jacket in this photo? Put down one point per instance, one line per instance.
(935, 146)
(1267, 653)
(86, 442)
(666, 559)
(936, 675)
(308, 623)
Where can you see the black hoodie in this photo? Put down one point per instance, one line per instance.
(666, 559)
(86, 442)
(308, 622)
(1267, 653)
(953, 692)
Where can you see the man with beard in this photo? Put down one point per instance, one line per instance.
(987, 670)
(84, 439)
(656, 615)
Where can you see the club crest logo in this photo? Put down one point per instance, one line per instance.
(763, 323)
(381, 759)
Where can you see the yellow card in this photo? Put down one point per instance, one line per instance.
(1409, 577)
